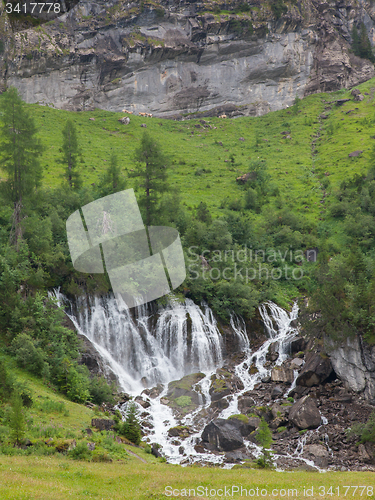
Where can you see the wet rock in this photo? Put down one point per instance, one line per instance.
(142, 402)
(222, 435)
(266, 379)
(276, 392)
(181, 395)
(245, 403)
(220, 404)
(102, 424)
(315, 371)
(298, 344)
(154, 392)
(318, 454)
(155, 450)
(282, 374)
(181, 431)
(304, 414)
(273, 354)
(296, 363)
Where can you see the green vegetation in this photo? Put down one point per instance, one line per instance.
(264, 438)
(240, 416)
(365, 432)
(361, 44)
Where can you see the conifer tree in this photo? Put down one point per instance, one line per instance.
(20, 150)
(112, 181)
(70, 152)
(264, 438)
(152, 172)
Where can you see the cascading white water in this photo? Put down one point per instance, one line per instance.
(185, 339)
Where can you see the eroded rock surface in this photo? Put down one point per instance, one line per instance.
(170, 58)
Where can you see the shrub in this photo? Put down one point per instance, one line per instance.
(365, 432)
(80, 452)
(101, 391)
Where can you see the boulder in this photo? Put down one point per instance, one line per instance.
(155, 450)
(181, 396)
(222, 435)
(296, 363)
(245, 403)
(354, 363)
(298, 344)
(276, 392)
(272, 353)
(315, 371)
(304, 414)
(317, 453)
(282, 374)
(102, 424)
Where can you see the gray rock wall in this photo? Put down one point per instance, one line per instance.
(182, 62)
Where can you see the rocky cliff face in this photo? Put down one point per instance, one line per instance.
(354, 364)
(171, 58)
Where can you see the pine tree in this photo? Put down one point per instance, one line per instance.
(70, 152)
(355, 40)
(203, 213)
(365, 45)
(264, 438)
(152, 171)
(112, 181)
(131, 428)
(3, 381)
(20, 150)
(16, 419)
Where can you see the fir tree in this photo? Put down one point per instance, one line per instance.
(152, 171)
(70, 152)
(264, 438)
(112, 181)
(20, 150)
(203, 213)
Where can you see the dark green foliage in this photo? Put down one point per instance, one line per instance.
(130, 428)
(264, 438)
(71, 152)
(80, 452)
(152, 173)
(203, 213)
(366, 431)
(20, 149)
(101, 391)
(278, 8)
(112, 181)
(361, 44)
(16, 419)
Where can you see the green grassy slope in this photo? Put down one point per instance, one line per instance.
(300, 163)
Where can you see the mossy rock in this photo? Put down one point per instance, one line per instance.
(241, 417)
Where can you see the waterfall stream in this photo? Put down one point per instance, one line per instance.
(151, 349)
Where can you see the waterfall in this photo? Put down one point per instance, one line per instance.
(149, 348)
(154, 347)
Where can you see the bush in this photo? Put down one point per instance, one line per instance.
(80, 452)
(365, 432)
(28, 354)
(101, 391)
